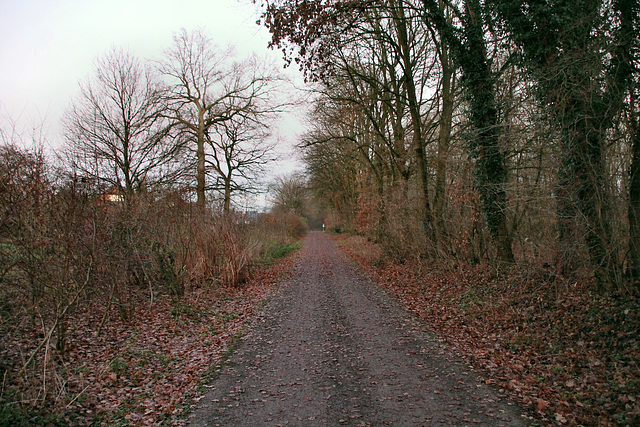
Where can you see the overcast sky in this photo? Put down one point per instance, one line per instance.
(48, 46)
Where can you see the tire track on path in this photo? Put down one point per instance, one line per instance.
(331, 348)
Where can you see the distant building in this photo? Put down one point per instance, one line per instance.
(113, 195)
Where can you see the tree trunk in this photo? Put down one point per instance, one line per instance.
(444, 139)
(634, 204)
(490, 168)
(227, 196)
(594, 199)
(567, 212)
(583, 189)
(416, 121)
(200, 154)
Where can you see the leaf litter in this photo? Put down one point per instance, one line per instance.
(567, 354)
(147, 370)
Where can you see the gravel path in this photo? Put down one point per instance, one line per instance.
(333, 349)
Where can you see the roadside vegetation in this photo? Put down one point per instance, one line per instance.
(128, 263)
(114, 311)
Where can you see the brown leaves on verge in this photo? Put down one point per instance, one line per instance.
(144, 372)
(568, 355)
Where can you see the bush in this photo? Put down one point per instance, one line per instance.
(67, 247)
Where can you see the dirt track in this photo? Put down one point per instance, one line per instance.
(333, 349)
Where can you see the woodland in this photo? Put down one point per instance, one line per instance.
(485, 154)
(480, 159)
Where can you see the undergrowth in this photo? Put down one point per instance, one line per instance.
(145, 371)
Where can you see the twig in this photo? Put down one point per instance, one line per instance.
(4, 383)
(47, 338)
(144, 271)
(77, 396)
(106, 311)
(44, 367)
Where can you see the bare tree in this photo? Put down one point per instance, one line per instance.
(240, 150)
(113, 131)
(205, 90)
(291, 194)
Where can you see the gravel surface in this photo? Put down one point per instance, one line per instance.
(331, 348)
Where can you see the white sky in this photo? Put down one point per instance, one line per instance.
(48, 46)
